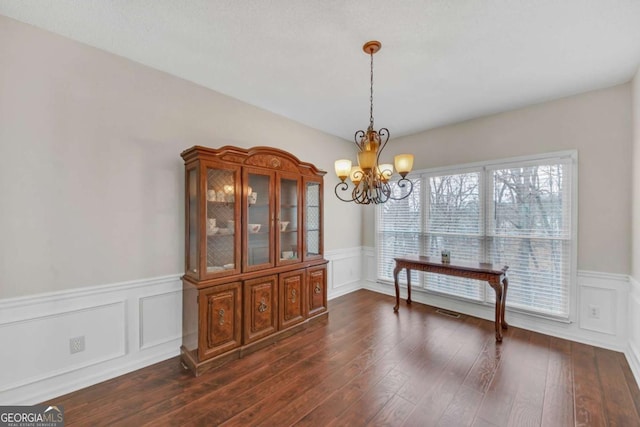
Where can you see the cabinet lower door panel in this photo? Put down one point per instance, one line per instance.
(317, 290)
(220, 314)
(260, 307)
(292, 301)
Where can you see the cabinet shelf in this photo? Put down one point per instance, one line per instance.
(221, 204)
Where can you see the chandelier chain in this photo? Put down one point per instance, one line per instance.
(371, 93)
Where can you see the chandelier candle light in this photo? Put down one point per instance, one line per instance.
(371, 178)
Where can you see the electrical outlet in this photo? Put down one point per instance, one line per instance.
(594, 311)
(76, 345)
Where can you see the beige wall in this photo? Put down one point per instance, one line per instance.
(597, 124)
(635, 251)
(91, 179)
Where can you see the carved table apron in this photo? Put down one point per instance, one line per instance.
(497, 278)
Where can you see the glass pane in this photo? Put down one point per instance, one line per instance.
(455, 204)
(538, 273)
(258, 220)
(532, 201)
(288, 219)
(192, 256)
(399, 231)
(313, 219)
(220, 220)
(462, 248)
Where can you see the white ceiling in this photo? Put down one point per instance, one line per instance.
(442, 61)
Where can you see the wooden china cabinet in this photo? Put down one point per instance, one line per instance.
(254, 265)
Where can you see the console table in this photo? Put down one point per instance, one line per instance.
(496, 276)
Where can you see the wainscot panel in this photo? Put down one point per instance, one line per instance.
(344, 272)
(64, 341)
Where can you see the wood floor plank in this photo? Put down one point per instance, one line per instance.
(620, 409)
(527, 404)
(630, 380)
(588, 398)
(250, 390)
(452, 375)
(370, 366)
(495, 408)
(558, 395)
(370, 403)
(407, 341)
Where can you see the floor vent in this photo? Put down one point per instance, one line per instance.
(448, 313)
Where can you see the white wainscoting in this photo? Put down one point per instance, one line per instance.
(344, 271)
(632, 351)
(126, 326)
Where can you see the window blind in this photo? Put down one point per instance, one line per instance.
(529, 227)
(399, 229)
(516, 214)
(454, 223)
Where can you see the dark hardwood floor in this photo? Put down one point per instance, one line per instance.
(369, 366)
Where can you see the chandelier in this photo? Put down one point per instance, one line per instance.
(370, 178)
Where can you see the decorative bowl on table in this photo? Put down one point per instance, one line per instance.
(254, 228)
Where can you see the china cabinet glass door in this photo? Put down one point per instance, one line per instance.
(222, 242)
(313, 220)
(259, 217)
(288, 220)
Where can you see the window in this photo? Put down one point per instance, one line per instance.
(509, 213)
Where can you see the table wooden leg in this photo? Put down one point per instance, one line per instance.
(505, 283)
(408, 285)
(498, 322)
(395, 281)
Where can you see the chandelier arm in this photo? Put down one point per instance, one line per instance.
(402, 183)
(386, 191)
(359, 136)
(383, 132)
(343, 187)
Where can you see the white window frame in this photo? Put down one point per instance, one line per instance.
(520, 161)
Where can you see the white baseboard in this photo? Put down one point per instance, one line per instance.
(632, 351)
(125, 326)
